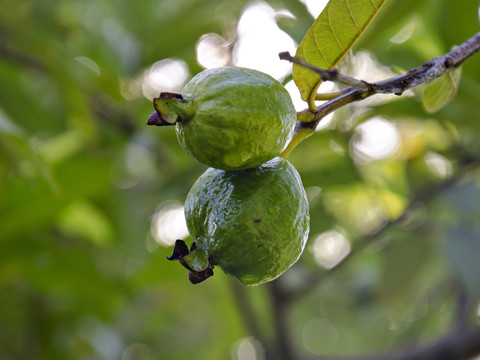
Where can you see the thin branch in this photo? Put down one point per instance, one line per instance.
(430, 70)
(424, 195)
(18, 58)
(457, 346)
(465, 304)
(98, 102)
(327, 75)
(248, 313)
(359, 89)
(330, 95)
(280, 314)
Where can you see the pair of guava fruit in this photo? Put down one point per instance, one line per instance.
(248, 213)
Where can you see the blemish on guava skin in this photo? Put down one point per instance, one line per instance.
(259, 245)
(256, 221)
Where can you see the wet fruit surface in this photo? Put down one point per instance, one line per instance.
(229, 118)
(252, 223)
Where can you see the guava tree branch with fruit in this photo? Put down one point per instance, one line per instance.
(323, 206)
(463, 343)
(357, 90)
(242, 124)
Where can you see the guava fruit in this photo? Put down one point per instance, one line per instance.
(229, 118)
(253, 223)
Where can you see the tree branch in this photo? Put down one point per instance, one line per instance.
(424, 195)
(430, 70)
(280, 314)
(327, 75)
(248, 313)
(359, 89)
(461, 346)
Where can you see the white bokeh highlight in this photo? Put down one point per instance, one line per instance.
(315, 7)
(375, 139)
(169, 224)
(260, 40)
(248, 348)
(330, 248)
(213, 51)
(167, 75)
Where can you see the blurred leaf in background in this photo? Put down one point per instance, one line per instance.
(91, 199)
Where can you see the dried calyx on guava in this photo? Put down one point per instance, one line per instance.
(253, 223)
(229, 118)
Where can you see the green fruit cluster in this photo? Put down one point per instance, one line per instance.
(248, 213)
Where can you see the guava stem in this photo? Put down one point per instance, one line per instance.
(329, 96)
(297, 138)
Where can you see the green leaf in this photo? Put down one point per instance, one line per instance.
(83, 219)
(331, 36)
(440, 91)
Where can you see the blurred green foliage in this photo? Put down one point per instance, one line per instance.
(81, 176)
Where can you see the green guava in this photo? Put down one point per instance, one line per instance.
(253, 223)
(229, 118)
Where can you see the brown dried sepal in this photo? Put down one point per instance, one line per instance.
(156, 118)
(180, 250)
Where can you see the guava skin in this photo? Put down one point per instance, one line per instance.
(253, 223)
(242, 118)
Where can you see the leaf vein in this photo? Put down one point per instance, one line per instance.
(319, 46)
(329, 64)
(351, 15)
(334, 33)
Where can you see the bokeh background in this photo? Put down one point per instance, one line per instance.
(91, 199)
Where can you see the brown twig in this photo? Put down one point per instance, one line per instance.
(458, 346)
(327, 75)
(359, 89)
(280, 314)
